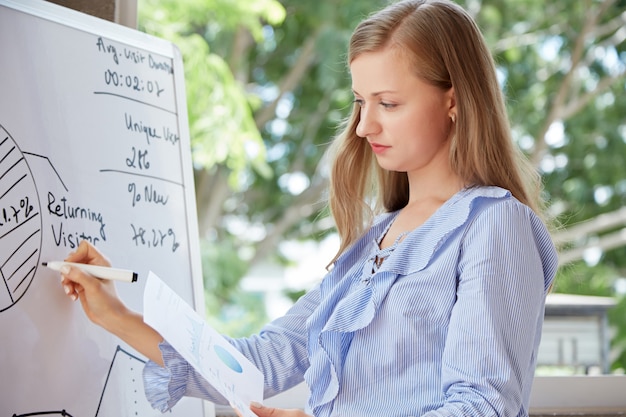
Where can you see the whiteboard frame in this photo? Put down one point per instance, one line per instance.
(116, 32)
(127, 35)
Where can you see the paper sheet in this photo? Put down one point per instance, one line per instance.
(224, 367)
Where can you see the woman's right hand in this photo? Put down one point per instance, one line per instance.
(98, 296)
(103, 306)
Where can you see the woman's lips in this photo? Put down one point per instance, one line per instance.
(378, 148)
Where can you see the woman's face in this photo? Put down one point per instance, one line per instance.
(405, 120)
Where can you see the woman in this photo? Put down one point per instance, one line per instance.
(434, 303)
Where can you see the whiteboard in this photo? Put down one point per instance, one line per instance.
(94, 144)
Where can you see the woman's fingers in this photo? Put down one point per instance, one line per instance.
(74, 281)
(98, 297)
(71, 290)
(88, 254)
(263, 411)
(70, 287)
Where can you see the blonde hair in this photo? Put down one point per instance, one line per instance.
(445, 48)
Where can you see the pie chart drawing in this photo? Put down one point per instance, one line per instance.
(228, 359)
(20, 223)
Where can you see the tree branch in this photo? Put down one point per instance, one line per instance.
(303, 207)
(604, 243)
(291, 80)
(241, 44)
(211, 191)
(612, 26)
(528, 38)
(311, 129)
(592, 226)
(564, 88)
(574, 106)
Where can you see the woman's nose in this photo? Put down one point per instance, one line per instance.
(368, 125)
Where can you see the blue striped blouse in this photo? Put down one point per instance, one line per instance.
(448, 325)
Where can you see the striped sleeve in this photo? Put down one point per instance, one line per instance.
(496, 321)
(165, 386)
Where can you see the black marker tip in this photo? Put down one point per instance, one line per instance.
(44, 263)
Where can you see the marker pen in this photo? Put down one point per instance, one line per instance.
(103, 272)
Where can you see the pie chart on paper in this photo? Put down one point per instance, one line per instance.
(228, 359)
(20, 223)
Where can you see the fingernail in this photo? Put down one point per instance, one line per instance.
(67, 289)
(256, 404)
(74, 297)
(65, 269)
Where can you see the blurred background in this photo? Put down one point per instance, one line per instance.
(267, 85)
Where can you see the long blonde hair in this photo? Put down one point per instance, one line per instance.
(446, 48)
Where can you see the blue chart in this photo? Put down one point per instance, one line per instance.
(228, 359)
(20, 223)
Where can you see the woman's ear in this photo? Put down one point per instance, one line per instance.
(451, 100)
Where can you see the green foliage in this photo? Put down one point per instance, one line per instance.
(243, 316)
(208, 17)
(581, 279)
(223, 271)
(254, 117)
(316, 105)
(618, 341)
(222, 128)
(229, 309)
(295, 295)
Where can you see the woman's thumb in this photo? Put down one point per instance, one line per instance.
(261, 410)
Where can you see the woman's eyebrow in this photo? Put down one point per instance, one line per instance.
(376, 93)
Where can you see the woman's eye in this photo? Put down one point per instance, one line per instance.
(358, 102)
(387, 105)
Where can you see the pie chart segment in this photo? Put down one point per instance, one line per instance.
(20, 223)
(228, 359)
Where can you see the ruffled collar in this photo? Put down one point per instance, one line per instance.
(351, 296)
